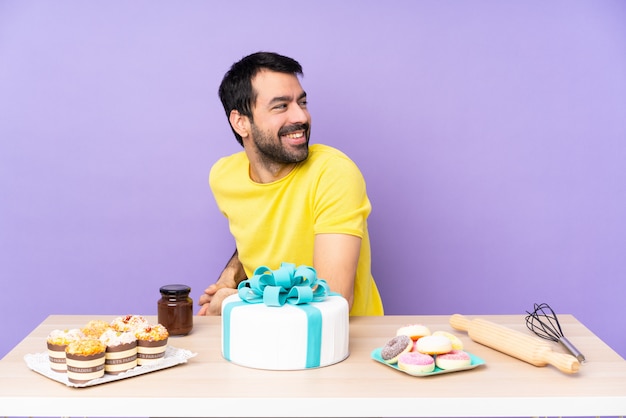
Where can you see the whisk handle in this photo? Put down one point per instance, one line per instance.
(570, 347)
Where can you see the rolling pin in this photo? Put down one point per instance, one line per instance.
(514, 343)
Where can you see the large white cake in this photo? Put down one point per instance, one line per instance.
(291, 336)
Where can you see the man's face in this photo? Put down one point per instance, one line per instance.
(281, 122)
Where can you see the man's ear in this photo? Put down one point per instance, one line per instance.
(240, 123)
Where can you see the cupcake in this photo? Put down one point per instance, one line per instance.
(95, 328)
(121, 351)
(85, 360)
(151, 344)
(57, 341)
(129, 323)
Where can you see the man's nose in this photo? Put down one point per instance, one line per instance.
(298, 114)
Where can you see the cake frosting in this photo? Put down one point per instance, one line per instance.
(129, 323)
(285, 319)
(64, 336)
(85, 347)
(95, 328)
(112, 338)
(152, 333)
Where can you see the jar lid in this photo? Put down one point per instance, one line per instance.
(175, 289)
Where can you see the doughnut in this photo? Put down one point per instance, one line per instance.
(455, 359)
(414, 331)
(433, 344)
(456, 342)
(416, 363)
(399, 344)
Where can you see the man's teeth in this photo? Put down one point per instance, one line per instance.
(295, 135)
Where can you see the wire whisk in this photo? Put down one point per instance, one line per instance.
(543, 322)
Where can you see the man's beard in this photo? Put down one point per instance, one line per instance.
(272, 150)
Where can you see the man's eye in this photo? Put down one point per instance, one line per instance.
(303, 103)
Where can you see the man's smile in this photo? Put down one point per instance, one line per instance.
(295, 135)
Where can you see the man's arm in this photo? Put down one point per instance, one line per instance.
(226, 285)
(335, 258)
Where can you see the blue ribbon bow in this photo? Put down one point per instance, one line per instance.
(288, 284)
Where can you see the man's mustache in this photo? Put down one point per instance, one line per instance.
(293, 128)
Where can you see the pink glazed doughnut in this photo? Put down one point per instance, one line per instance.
(455, 359)
(399, 344)
(416, 363)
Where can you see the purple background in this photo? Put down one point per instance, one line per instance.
(491, 135)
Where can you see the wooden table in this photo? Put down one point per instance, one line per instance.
(207, 385)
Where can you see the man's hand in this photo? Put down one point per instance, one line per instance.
(226, 285)
(213, 297)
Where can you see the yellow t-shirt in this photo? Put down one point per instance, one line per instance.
(277, 222)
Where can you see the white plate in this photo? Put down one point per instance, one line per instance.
(173, 356)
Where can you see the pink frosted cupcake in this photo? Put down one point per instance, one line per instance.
(151, 344)
(85, 360)
(121, 351)
(57, 341)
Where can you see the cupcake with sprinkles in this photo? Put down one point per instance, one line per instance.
(85, 360)
(151, 344)
(57, 341)
(95, 328)
(129, 323)
(121, 351)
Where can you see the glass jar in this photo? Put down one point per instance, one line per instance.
(175, 309)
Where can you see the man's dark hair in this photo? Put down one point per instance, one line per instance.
(236, 92)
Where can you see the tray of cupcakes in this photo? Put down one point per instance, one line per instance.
(102, 352)
(417, 351)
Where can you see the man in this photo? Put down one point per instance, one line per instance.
(286, 201)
